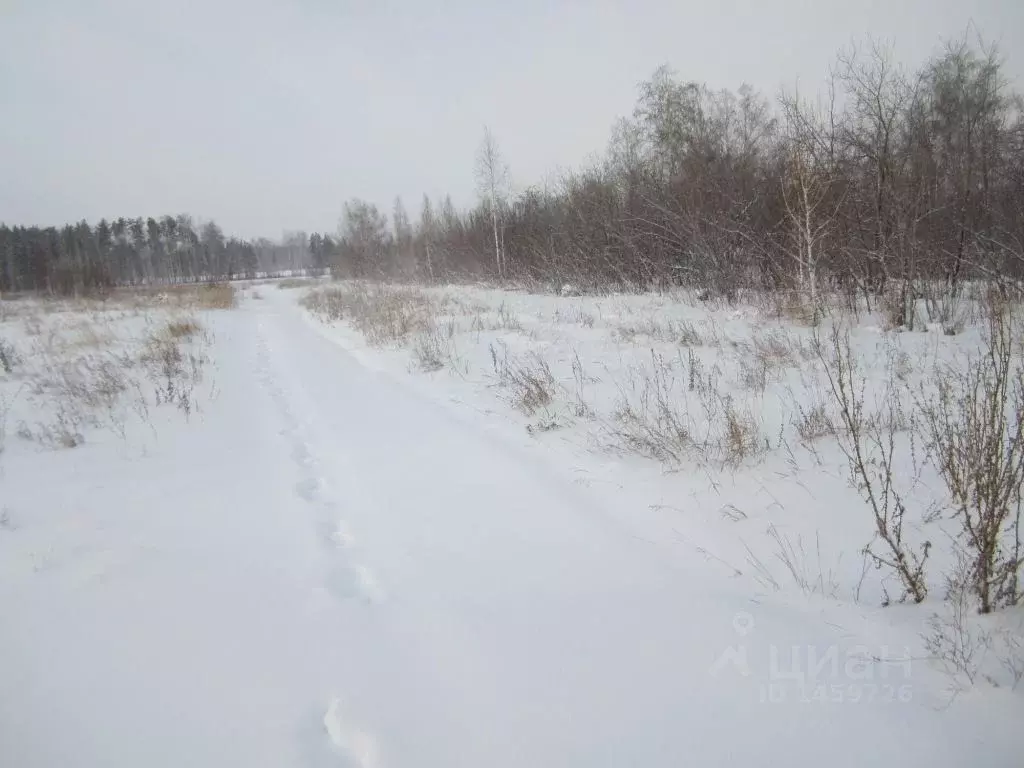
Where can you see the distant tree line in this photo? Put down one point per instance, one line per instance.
(891, 180)
(890, 183)
(80, 258)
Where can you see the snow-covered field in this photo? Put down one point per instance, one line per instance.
(463, 526)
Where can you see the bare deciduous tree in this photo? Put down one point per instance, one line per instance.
(492, 183)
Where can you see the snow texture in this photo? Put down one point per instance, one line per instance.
(334, 561)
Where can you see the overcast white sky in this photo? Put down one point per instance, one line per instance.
(267, 114)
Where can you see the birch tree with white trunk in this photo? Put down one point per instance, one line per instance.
(807, 191)
(492, 179)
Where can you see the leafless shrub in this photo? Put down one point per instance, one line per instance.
(575, 314)
(102, 382)
(548, 422)
(629, 331)
(33, 326)
(968, 650)
(173, 368)
(217, 296)
(793, 557)
(81, 374)
(869, 445)
(183, 328)
(1011, 655)
(944, 306)
(73, 390)
(654, 417)
(975, 420)
(529, 382)
(507, 319)
(434, 349)
(62, 431)
(899, 311)
(330, 303)
(651, 422)
(763, 358)
(86, 334)
(742, 434)
(899, 364)
(9, 357)
(698, 379)
(675, 332)
(5, 407)
(586, 319)
(384, 314)
(686, 334)
(754, 372)
(429, 352)
(81, 389)
(477, 324)
(580, 407)
(793, 306)
(781, 349)
(813, 423)
(463, 306)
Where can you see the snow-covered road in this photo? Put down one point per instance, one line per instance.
(331, 569)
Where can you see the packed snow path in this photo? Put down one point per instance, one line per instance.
(329, 569)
